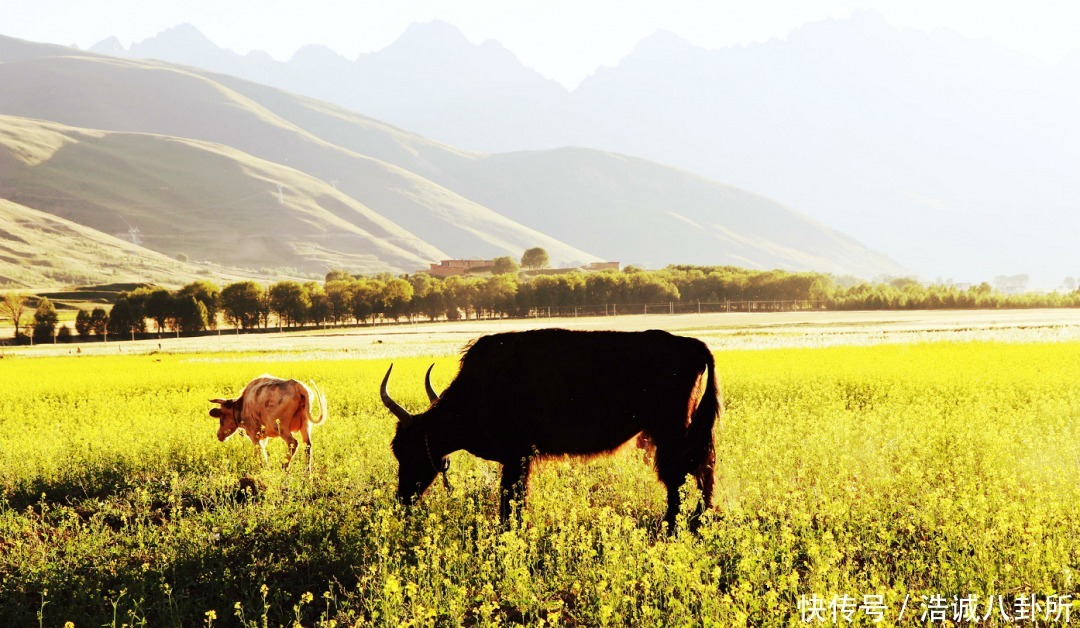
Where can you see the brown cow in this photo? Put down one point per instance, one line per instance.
(268, 407)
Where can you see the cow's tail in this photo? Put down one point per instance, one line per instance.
(322, 404)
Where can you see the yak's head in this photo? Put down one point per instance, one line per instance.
(228, 416)
(417, 467)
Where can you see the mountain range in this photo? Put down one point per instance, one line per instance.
(953, 156)
(194, 164)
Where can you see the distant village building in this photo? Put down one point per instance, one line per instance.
(1012, 284)
(449, 267)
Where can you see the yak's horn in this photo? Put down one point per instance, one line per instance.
(404, 418)
(431, 394)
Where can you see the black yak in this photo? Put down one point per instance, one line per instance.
(553, 392)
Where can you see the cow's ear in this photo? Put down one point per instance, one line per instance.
(215, 412)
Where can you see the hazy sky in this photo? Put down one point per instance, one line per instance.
(562, 39)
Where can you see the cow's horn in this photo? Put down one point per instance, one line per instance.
(218, 401)
(431, 394)
(403, 417)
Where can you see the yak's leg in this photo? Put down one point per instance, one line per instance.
(702, 461)
(704, 476)
(674, 502)
(672, 470)
(515, 480)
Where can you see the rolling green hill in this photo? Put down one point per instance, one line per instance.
(154, 98)
(204, 200)
(615, 206)
(194, 160)
(39, 249)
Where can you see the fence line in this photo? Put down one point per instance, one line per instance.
(669, 308)
(676, 307)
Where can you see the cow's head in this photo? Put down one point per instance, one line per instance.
(412, 447)
(228, 416)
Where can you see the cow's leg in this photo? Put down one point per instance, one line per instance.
(305, 433)
(260, 452)
(288, 438)
(515, 481)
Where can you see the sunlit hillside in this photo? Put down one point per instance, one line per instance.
(39, 249)
(206, 201)
(341, 172)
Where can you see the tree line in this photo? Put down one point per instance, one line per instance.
(343, 298)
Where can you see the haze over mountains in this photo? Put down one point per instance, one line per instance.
(227, 170)
(956, 158)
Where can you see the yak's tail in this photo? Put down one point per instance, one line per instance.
(711, 404)
(322, 404)
(700, 433)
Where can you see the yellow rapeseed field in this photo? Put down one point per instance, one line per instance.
(906, 484)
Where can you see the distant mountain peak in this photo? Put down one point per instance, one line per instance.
(184, 38)
(871, 17)
(862, 25)
(663, 43)
(184, 33)
(313, 54)
(434, 34)
(110, 46)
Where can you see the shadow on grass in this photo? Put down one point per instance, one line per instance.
(171, 571)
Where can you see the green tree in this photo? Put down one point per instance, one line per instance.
(553, 291)
(319, 310)
(241, 303)
(396, 296)
(504, 266)
(14, 305)
(191, 314)
(425, 290)
(605, 287)
(535, 258)
(461, 295)
(160, 306)
(289, 301)
(651, 288)
(82, 324)
(99, 320)
(126, 317)
(337, 275)
(206, 293)
(339, 294)
(429, 296)
(45, 319)
(498, 295)
(365, 298)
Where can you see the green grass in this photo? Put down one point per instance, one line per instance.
(904, 471)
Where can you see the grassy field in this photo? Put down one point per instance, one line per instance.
(910, 480)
